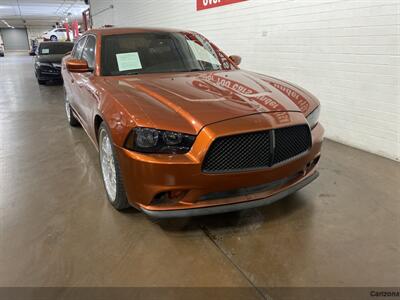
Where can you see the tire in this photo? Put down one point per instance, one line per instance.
(110, 170)
(69, 112)
(53, 38)
(41, 82)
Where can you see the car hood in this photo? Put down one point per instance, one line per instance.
(51, 58)
(191, 101)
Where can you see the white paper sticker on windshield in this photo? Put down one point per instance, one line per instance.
(45, 51)
(128, 61)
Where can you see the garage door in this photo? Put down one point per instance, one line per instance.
(15, 39)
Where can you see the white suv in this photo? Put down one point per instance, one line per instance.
(57, 34)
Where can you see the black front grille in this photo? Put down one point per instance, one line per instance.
(256, 149)
(290, 142)
(238, 152)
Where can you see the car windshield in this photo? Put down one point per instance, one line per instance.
(160, 52)
(55, 48)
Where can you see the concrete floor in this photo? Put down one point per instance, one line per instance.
(57, 229)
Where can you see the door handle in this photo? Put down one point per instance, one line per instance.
(72, 80)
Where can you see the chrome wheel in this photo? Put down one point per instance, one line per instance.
(67, 107)
(68, 110)
(108, 165)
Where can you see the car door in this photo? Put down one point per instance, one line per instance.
(73, 78)
(59, 34)
(62, 34)
(86, 89)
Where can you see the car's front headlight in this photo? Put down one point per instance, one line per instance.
(313, 117)
(40, 64)
(149, 140)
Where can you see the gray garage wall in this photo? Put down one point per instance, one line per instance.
(15, 39)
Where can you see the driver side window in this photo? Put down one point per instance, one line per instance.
(77, 51)
(88, 53)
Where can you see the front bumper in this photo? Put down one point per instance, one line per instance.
(219, 209)
(53, 74)
(147, 176)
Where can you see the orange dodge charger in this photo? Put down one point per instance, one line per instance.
(181, 130)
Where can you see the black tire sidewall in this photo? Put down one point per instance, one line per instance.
(72, 120)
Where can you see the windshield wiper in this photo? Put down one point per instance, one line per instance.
(130, 73)
(195, 70)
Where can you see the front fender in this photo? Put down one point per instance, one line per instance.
(118, 119)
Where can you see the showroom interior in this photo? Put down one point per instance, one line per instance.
(335, 238)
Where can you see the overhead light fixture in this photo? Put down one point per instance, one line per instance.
(8, 25)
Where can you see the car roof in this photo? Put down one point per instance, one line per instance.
(125, 30)
(52, 43)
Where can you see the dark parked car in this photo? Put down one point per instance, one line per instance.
(48, 60)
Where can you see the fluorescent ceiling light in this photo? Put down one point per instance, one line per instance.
(8, 25)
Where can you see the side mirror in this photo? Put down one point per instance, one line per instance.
(236, 59)
(77, 66)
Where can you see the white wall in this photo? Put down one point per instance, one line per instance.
(346, 52)
(36, 31)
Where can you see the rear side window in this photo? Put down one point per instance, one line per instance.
(77, 52)
(89, 51)
(54, 48)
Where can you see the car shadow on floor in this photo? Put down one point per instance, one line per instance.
(244, 220)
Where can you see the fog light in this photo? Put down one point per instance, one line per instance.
(169, 197)
(176, 194)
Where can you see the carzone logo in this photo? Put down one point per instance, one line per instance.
(206, 4)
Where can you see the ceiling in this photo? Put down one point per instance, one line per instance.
(20, 13)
